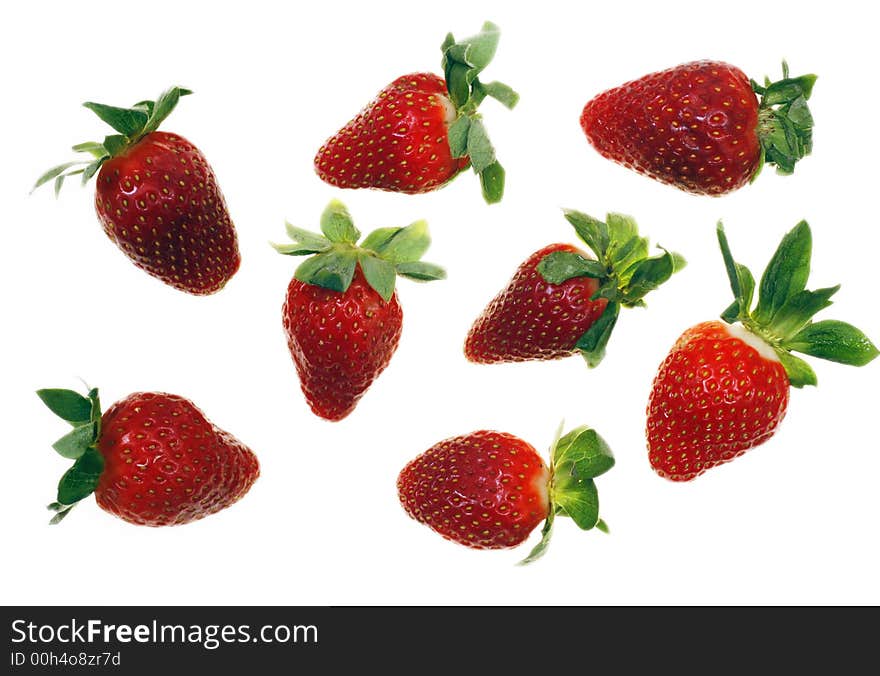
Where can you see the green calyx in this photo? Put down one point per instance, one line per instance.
(463, 61)
(625, 272)
(785, 308)
(79, 445)
(130, 124)
(383, 254)
(576, 460)
(785, 125)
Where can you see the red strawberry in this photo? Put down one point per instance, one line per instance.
(340, 342)
(341, 315)
(152, 459)
(700, 126)
(489, 490)
(158, 198)
(421, 130)
(724, 388)
(562, 301)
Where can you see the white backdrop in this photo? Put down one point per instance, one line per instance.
(792, 522)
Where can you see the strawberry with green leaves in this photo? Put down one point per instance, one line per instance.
(152, 459)
(490, 490)
(563, 301)
(703, 126)
(157, 197)
(422, 130)
(724, 387)
(341, 315)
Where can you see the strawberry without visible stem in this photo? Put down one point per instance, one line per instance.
(341, 314)
(490, 490)
(157, 198)
(724, 388)
(423, 130)
(151, 459)
(701, 127)
(562, 301)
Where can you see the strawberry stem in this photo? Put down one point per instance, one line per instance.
(783, 317)
(382, 256)
(462, 63)
(79, 445)
(625, 272)
(576, 460)
(785, 125)
(132, 125)
(541, 548)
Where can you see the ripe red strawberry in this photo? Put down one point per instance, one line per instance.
(701, 127)
(152, 459)
(561, 300)
(724, 388)
(489, 490)
(421, 130)
(341, 315)
(157, 198)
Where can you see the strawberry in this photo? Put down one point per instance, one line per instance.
(701, 127)
(422, 130)
(341, 315)
(490, 490)
(157, 198)
(152, 459)
(724, 387)
(562, 301)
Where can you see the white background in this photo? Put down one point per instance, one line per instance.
(792, 522)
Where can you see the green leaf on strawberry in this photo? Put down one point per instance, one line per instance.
(127, 121)
(592, 231)
(582, 453)
(559, 266)
(796, 312)
(800, 373)
(81, 480)
(783, 317)
(785, 124)
(458, 136)
(577, 458)
(479, 147)
(541, 548)
(304, 242)
(132, 125)
(336, 224)
(84, 413)
(786, 273)
(498, 91)
(67, 405)
(462, 63)
(595, 340)
(648, 274)
(492, 182)
(76, 442)
(580, 502)
(379, 273)
(332, 269)
(621, 229)
(625, 272)
(161, 108)
(420, 271)
(399, 245)
(835, 341)
(382, 254)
